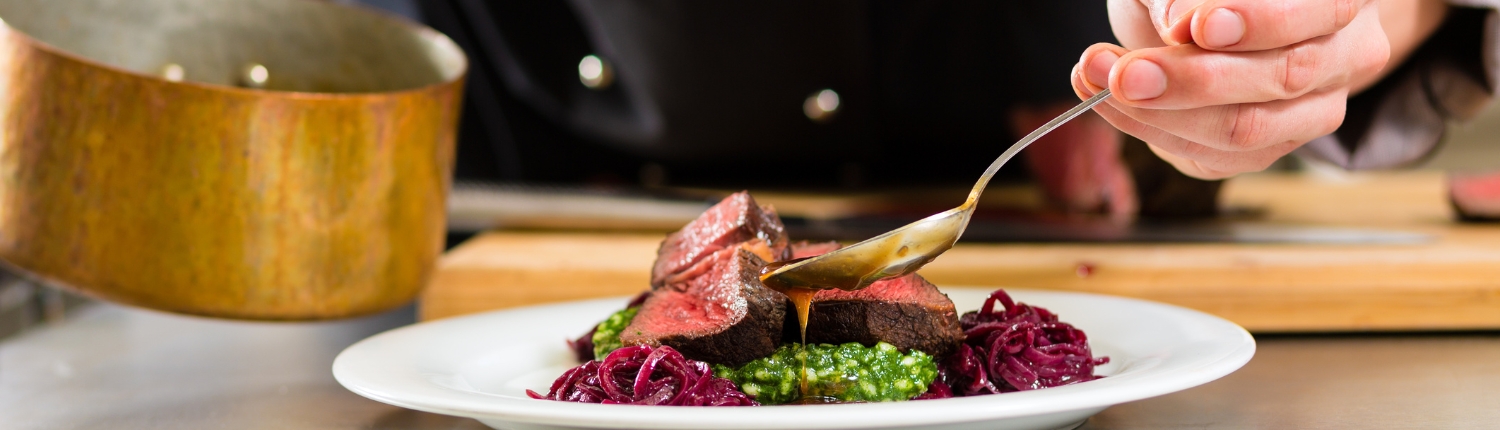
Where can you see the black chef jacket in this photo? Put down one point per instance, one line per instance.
(713, 93)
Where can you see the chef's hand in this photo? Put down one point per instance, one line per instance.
(1221, 87)
(1078, 165)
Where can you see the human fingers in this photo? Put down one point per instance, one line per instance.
(1187, 76)
(1189, 167)
(1171, 19)
(1189, 157)
(1124, 204)
(1131, 23)
(1252, 25)
(1249, 126)
(1193, 159)
(1076, 164)
(1096, 64)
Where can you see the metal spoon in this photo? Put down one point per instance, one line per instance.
(906, 249)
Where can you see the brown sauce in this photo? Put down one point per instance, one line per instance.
(801, 296)
(887, 258)
(802, 300)
(802, 290)
(860, 266)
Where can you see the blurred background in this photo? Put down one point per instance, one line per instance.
(550, 125)
(590, 128)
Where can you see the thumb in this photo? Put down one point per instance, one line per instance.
(1172, 19)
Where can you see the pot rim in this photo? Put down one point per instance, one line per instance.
(417, 28)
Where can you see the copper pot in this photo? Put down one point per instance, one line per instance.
(298, 169)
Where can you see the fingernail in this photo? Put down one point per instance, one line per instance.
(1097, 69)
(1179, 9)
(1223, 28)
(1143, 80)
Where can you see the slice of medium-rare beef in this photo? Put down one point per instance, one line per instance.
(905, 311)
(803, 249)
(723, 316)
(732, 222)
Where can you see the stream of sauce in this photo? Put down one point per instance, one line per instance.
(802, 300)
(895, 253)
(802, 289)
(858, 266)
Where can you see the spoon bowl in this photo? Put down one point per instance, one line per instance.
(904, 250)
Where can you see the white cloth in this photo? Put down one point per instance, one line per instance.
(1410, 119)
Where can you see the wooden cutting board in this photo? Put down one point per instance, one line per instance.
(1449, 283)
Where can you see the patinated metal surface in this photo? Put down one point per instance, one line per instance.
(320, 201)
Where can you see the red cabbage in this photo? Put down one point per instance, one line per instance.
(964, 373)
(583, 346)
(936, 390)
(641, 375)
(1017, 348)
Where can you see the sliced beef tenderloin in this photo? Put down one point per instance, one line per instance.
(905, 311)
(803, 249)
(724, 315)
(731, 223)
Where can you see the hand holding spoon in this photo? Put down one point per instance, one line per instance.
(906, 249)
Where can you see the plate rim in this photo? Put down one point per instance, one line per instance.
(1092, 396)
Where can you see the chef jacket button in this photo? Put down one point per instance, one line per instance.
(173, 72)
(821, 106)
(255, 76)
(595, 72)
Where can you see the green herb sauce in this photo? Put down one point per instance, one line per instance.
(850, 372)
(607, 335)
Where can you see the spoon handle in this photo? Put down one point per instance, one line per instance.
(1026, 141)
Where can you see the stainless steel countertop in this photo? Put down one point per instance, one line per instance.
(111, 367)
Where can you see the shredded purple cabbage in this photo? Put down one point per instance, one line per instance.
(583, 346)
(936, 390)
(641, 375)
(1016, 348)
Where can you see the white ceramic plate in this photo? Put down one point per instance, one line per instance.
(479, 366)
